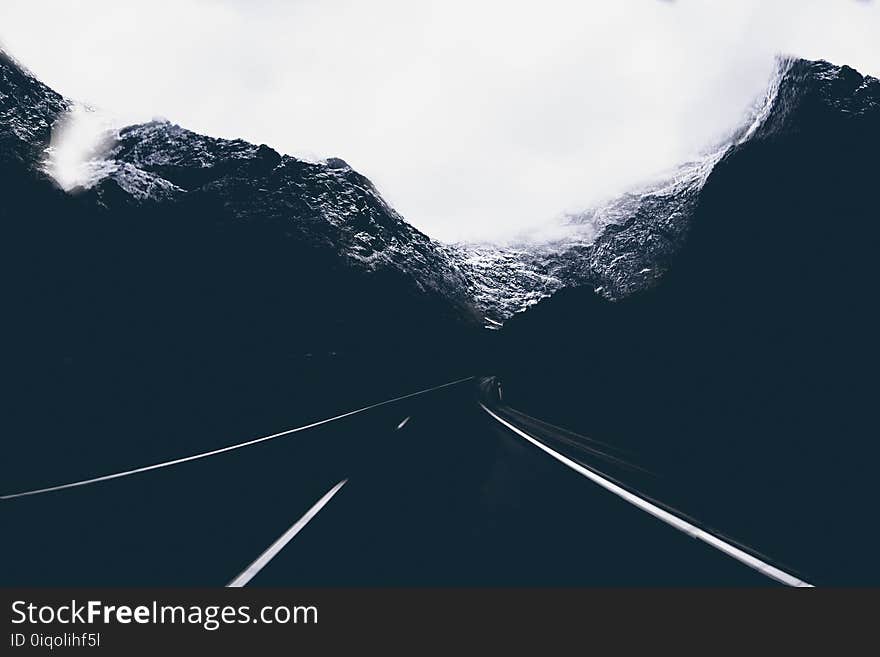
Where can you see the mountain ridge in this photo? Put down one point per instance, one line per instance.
(618, 248)
(745, 376)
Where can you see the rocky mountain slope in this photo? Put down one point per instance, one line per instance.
(745, 376)
(325, 206)
(28, 110)
(618, 248)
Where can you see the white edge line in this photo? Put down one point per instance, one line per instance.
(228, 448)
(260, 562)
(662, 514)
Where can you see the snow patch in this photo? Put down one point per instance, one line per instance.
(80, 139)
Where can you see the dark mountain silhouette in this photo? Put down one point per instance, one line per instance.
(209, 288)
(746, 375)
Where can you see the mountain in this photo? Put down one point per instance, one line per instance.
(211, 288)
(28, 110)
(337, 214)
(747, 371)
(324, 206)
(618, 248)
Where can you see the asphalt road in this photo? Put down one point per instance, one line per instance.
(440, 488)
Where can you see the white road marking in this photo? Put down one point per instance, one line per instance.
(402, 423)
(662, 514)
(229, 448)
(260, 562)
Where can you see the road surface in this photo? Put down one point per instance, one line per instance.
(446, 487)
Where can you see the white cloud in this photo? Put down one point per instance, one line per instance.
(473, 118)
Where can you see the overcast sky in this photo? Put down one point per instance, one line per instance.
(474, 118)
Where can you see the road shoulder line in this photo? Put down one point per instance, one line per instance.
(228, 448)
(661, 514)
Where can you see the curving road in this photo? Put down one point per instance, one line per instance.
(446, 486)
